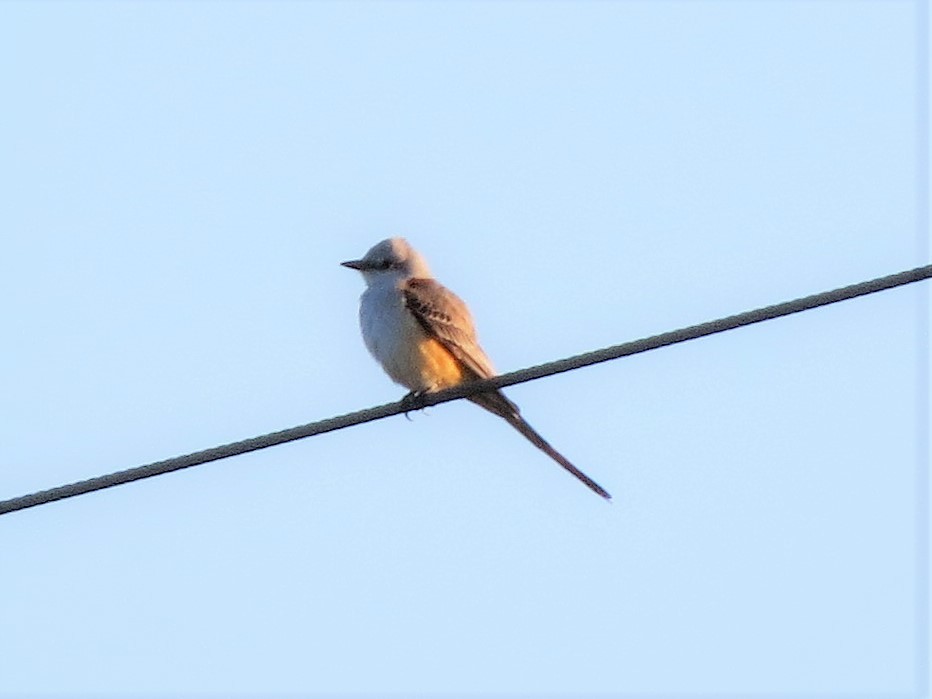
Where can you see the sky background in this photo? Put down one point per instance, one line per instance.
(179, 183)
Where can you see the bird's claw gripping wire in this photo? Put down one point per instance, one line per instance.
(412, 401)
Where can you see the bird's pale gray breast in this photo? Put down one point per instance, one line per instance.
(391, 334)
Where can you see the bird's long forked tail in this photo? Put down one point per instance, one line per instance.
(497, 403)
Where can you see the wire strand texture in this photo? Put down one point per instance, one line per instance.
(529, 374)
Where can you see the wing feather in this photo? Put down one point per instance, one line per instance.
(444, 316)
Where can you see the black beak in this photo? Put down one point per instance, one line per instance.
(354, 264)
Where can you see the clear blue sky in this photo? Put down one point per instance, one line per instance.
(179, 183)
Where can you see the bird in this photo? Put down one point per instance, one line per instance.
(424, 337)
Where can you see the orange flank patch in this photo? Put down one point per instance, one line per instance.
(439, 368)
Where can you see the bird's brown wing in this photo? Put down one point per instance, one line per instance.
(445, 317)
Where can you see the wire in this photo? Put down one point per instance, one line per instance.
(536, 372)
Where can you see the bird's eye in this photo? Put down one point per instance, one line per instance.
(383, 264)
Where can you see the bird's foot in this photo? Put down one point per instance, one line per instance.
(411, 401)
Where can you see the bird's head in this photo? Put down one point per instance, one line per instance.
(392, 259)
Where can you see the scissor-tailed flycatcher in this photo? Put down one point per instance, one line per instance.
(423, 336)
